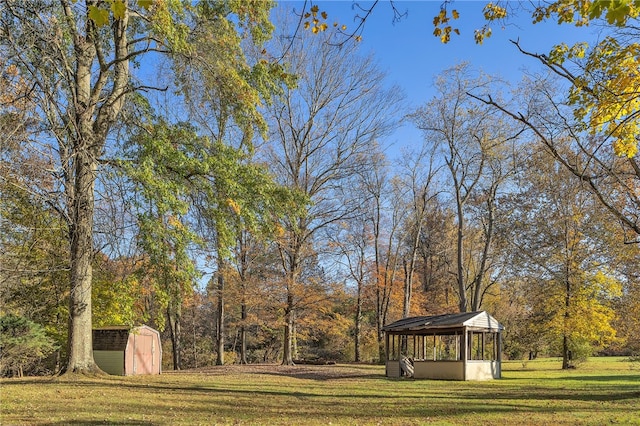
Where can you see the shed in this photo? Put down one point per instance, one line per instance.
(125, 351)
(462, 346)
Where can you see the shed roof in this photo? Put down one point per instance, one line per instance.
(478, 319)
(115, 337)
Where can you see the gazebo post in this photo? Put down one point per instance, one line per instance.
(386, 353)
(386, 347)
(464, 352)
(499, 354)
(414, 346)
(434, 347)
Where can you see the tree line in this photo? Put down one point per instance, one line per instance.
(241, 201)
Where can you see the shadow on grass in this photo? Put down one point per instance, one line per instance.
(95, 422)
(203, 388)
(572, 395)
(523, 393)
(307, 372)
(631, 378)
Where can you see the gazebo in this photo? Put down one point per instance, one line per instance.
(463, 346)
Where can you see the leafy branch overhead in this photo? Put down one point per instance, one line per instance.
(316, 21)
(100, 15)
(605, 79)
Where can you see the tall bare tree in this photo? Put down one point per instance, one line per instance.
(320, 135)
(355, 241)
(418, 179)
(473, 145)
(385, 213)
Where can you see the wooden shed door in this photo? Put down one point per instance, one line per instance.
(143, 359)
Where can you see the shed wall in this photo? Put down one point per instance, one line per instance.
(111, 362)
(144, 353)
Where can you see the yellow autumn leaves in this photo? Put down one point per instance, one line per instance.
(441, 23)
(233, 204)
(100, 16)
(316, 21)
(608, 105)
(313, 21)
(611, 105)
(443, 28)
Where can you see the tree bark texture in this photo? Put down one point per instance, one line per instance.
(220, 318)
(243, 333)
(287, 357)
(173, 317)
(358, 324)
(80, 308)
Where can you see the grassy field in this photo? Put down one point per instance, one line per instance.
(602, 391)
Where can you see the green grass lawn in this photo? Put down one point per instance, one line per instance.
(602, 391)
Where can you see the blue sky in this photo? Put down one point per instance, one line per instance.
(412, 56)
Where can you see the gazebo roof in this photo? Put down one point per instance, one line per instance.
(476, 320)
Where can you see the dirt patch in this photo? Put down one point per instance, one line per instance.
(313, 372)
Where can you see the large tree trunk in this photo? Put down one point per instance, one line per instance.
(220, 317)
(80, 315)
(379, 324)
(243, 332)
(566, 354)
(173, 316)
(382, 352)
(244, 266)
(358, 323)
(289, 310)
(287, 358)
